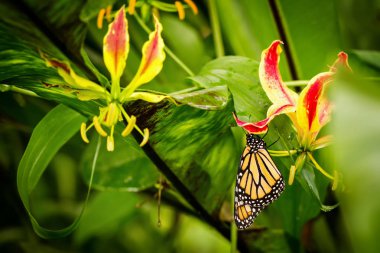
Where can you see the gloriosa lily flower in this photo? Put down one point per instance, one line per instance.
(146, 6)
(115, 52)
(309, 111)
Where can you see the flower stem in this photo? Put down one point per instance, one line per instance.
(279, 153)
(181, 188)
(296, 83)
(6, 87)
(275, 9)
(167, 50)
(217, 35)
(319, 167)
(233, 228)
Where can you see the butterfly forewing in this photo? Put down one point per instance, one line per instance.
(258, 182)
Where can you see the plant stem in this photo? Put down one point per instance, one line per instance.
(319, 166)
(167, 50)
(233, 227)
(181, 188)
(6, 87)
(217, 35)
(279, 153)
(296, 83)
(179, 62)
(282, 31)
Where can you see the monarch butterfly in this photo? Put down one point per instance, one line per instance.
(258, 182)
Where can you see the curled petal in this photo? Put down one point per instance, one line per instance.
(271, 79)
(262, 126)
(153, 56)
(313, 108)
(341, 61)
(116, 45)
(255, 128)
(147, 96)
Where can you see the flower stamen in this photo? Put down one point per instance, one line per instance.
(319, 167)
(180, 9)
(99, 21)
(83, 131)
(131, 7)
(98, 127)
(110, 140)
(192, 5)
(108, 13)
(292, 174)
(130, 126)
(336, 181)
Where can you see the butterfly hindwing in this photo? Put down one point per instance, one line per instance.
(258, 182)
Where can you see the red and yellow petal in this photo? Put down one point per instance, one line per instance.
(116, 45)
(153, 56)
(262, 126)
(255, 128)
(271, 79)
(313, 108)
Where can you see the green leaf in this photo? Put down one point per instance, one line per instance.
(309, 176)
(214, 98)
(92, 7)
(101, 78)
(240, 74)
(21, 64)
(61, 124)
(61, 18)
(192, 142)
(125, 169)
(104, 214)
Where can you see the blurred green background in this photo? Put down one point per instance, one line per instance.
(122, 212)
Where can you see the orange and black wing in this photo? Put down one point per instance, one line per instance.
(258, 183)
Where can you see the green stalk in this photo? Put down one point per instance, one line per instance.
(296, 83)
(215, 25)
(6, 87)
(233, 228)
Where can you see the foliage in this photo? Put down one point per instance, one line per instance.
(92, 200)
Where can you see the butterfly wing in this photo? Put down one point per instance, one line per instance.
(258, 184)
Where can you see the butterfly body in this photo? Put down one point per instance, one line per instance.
(258, 182)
